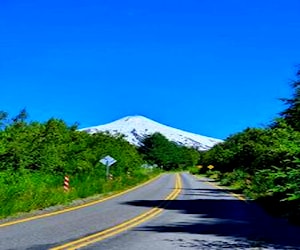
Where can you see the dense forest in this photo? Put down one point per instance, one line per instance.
(264, 163)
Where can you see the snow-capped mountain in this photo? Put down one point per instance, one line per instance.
(135, 128)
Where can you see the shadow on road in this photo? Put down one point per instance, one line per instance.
(246, 223)
(214, 192)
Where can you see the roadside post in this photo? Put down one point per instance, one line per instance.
(66, 183)
(108, 161)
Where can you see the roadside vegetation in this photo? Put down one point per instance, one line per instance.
(35, 157)
(264, 163)
(158, 150)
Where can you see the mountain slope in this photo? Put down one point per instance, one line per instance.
(135, 128)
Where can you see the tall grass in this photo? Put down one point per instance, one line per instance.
(25, 191)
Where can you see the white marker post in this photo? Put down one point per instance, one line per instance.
(108, 161)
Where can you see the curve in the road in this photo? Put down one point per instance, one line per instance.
(85, 241)
(76, 207)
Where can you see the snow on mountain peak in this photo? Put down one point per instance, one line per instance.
(135, 128)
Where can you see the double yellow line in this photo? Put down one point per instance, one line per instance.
(85, 241)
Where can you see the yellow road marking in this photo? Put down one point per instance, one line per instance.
(77, 207)
(85, 241)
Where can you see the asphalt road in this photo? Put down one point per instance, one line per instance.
(206, 217)
(56, 230)
(201, 217)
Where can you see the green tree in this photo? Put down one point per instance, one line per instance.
(157, 149)
(21, 117)
(3, 117)
(292, 113)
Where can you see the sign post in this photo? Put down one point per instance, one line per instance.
(66, 183)
(108, 161)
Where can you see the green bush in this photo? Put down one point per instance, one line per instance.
(194, 170)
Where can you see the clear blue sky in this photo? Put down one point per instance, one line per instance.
(208, 67)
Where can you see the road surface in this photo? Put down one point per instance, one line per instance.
(168, 213)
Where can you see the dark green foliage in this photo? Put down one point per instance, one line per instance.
(254, 149)
(34, 157)
(157, 149)
(265, 158)
(292, 113)
(21, 117)
(54, 147)
(3, 117)
(264, 162)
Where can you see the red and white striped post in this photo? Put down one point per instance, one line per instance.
(66, 183)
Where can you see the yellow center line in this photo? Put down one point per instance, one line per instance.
(82, 242)
(76, 207)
